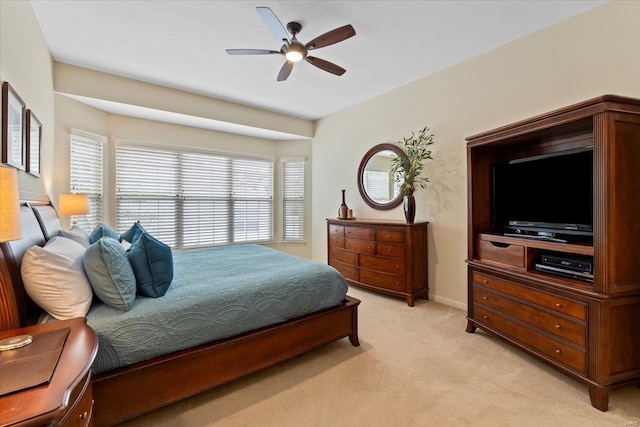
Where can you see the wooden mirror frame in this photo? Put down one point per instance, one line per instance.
(369, 154)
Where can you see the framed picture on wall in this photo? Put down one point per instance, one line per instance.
(34, 143)
(13, 132)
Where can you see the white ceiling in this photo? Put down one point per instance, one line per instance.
(181, 44)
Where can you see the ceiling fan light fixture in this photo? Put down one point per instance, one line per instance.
(293, 56)
(295, 53)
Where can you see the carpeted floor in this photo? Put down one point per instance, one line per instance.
(415, 367)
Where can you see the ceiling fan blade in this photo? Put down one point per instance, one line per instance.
(285, 71)
(273, 22)
(325, 65)
(332, 37)
(251, 51)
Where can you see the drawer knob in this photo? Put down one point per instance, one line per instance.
(558, 305)
(388, 250)
(558, 351)
(485, 281)
(84, 415)
(369, 247)
(557, 326)
(398, 282)
(485, 317)
(397, 267)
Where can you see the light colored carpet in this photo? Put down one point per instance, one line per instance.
(415, 367)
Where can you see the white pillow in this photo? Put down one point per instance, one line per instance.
(54, 278)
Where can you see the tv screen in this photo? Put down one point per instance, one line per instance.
(550, 193)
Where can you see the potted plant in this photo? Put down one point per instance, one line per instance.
(407, 170)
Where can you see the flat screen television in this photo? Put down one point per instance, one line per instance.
(547, 196)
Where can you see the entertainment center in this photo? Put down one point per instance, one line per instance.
(554, 240)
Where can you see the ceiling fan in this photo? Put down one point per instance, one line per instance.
(295, 51)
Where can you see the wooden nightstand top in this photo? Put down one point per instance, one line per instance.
(47, 403)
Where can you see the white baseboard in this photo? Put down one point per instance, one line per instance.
(449, 302)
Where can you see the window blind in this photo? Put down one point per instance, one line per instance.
(377, 184)
(86, 175)
(190, 199)
(293, 199)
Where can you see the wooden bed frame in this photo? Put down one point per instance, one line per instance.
(124, 393)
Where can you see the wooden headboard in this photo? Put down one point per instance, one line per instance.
(39, 222)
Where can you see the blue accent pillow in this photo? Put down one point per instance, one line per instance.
(152, 263)
(132, 234)
(102, 230)
(110, 273)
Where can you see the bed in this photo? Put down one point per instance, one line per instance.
(138, 383)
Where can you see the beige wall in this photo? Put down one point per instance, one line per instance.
(589, 55)
(26, 64)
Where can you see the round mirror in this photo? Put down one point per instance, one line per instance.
(375, 182)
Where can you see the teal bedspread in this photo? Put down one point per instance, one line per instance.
(216, 293)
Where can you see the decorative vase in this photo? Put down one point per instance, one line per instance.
(409, 208)
(342, 213)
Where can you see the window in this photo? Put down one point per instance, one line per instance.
(293, 200)
(86, 174)
(190, 199)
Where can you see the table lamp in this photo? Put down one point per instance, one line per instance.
(72, 205)
(10, 228)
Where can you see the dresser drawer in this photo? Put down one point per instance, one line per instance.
(512, 255)
(362, 246)
(383, 264)
(562, 353)
(81, 411)
(390, 236)
(360, 233)
(348, 271)
(390, 250)
(388, 281)
(573, 331)
(336, 231)
(556, 303)
(343, 255)
(336, 242)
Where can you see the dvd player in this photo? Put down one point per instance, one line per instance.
(574, 264)
(574, 267)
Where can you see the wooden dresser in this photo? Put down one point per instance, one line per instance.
(384, 256)
(587, 328)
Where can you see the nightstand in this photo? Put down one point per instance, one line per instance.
(66, 400)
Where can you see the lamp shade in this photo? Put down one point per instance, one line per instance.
(73, 204)
(10, 228)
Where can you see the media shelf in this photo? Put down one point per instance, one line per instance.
(581, 326)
